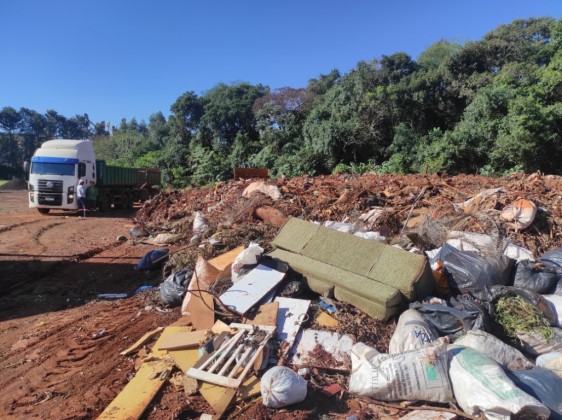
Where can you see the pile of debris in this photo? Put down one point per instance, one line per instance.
(377, 290)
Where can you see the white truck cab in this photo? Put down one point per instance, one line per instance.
(56, 167)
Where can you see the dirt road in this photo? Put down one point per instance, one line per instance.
(54, 362)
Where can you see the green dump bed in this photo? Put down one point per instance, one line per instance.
(115, 176)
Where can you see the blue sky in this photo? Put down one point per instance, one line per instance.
(124, 58)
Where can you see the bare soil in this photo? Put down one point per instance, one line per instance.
(60, 343)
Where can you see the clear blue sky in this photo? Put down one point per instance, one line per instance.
(124, 58)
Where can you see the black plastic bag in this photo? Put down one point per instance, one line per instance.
(454, 318)
(534, 298)
(542, 384)
(173, 289)
(532, 277)
(152, 260)
(553, 258)
(472, 272)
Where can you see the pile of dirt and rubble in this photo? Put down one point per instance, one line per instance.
(362, 288)
(472, 234)
(14, 184)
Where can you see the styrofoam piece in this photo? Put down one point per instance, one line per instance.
(251, 288)
(290, 315)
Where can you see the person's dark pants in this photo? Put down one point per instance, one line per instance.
(92, 204)
(83, 204)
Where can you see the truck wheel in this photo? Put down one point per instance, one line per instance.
(105, 203)
(144, 195)
(43, 211)
(131, 201)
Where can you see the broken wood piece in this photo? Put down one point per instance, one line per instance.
(141, 341)
(220, 398)
(182, 321)
(201, 308)
(223, 260)
(132, 401)
(326, 320)
(234, 378)
(265, 315)
(185, 359)
(220, 327)
(251, 288)
(185, 340)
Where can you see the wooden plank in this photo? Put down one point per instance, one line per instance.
(324, 350)
(141, 341)
(220, 397)
(182, 321)
(213, 378)
(201, 309)
(266, 315)
(251, 288)
(223, 260)
(220, 327)
(290, 315)
(184, 340)
(185, 359)
(132, 401)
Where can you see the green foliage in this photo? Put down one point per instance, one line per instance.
(492, 107)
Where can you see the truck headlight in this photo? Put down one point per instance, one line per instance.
(70, 195)
(32, 197)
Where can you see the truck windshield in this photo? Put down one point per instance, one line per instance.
(43, 168)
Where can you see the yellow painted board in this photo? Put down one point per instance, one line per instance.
(185, 359)
(220, 397)
(222, 261)
(132, 401)
(326, 320)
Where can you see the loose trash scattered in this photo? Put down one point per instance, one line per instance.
(173, 289)
(152, 260)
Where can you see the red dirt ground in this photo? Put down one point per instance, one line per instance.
(60, 344)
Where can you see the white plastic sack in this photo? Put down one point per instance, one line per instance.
(248, 256)
(200, 226)
(507, 356)
(556, 305)
(371, 236)
(535, 344)
(481, 386)
(281, 386)
(412, 333)
(416, 375)
(551, 361)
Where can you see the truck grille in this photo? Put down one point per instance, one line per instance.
(49, 187)
(49, 192)
(50, 200)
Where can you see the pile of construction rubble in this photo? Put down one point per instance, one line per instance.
(442, 292)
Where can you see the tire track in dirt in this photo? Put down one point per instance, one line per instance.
(63, 360)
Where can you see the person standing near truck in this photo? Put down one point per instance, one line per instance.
(92, 196)
(81, 195)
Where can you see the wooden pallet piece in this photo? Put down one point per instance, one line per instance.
(231, 374)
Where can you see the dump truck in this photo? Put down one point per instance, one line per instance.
(58, 165)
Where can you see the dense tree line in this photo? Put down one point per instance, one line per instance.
(491, 107)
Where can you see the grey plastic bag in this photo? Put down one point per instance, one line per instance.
(173, 289)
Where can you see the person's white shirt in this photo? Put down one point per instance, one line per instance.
(81, 191)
